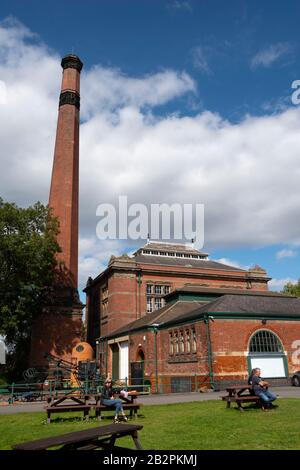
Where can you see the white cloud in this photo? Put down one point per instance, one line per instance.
(241, 172)
(110, 89)
(270, 54)
(286, 253)
(278, 284)
(94, 256)
(230, 262)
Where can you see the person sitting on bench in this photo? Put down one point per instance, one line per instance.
(108, 399)
(260, 389)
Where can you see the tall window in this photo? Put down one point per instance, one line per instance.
(181, 342)
(149, 288)
(187, 341)
(149, 305)
(176, 343)
(105, 305)
(158, 290)
(154, 294)
(194, 341)
(265, 341)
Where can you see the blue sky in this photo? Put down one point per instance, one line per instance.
(231, 69)
(142, 36)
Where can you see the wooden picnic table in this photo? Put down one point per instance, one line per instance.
(102, 437)
(67, 403)
(240, 394)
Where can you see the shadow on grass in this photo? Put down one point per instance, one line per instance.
(252, 407)
(92, 419)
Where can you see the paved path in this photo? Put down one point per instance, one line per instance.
(282, 392)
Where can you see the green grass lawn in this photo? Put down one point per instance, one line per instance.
(197, 425)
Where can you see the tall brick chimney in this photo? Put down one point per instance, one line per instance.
(64, 189)
(58, 328)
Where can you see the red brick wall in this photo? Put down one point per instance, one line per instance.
(122, 301)
(230, 345)
(56, 334)
(186, 364)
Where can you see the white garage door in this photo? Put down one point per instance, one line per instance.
(271, 367)
(2, 352)
(123, 370)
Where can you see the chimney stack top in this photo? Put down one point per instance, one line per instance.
(72, 61)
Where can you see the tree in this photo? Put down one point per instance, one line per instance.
(27, 265)
(292, 289)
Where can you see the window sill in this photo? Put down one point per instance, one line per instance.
(182, 359)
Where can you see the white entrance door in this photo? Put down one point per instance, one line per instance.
(2, 352)
(123, 364)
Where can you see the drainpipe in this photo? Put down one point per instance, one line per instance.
(106, 359)
(139, 282)
(155, 327)
(209, 351)
(97, 354)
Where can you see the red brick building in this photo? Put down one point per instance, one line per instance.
(151, 315)
(133, 286)
(207, 336)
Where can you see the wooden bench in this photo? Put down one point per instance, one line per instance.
(133, 407)
(67, 408)
(240, 394)
(102, 437)
(240, 400)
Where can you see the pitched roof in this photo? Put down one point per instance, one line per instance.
(158, 317)
(245, 306)
(266, 305)
(184, 262)
(171, 247)
(198, 289)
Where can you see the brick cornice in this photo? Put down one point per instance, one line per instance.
(71, 61)
(69, 97)
(208, 274)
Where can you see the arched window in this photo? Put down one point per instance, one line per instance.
(181, 342)
(140, 356)
(264, 341)
(188, 341)
(176, 343)
(194, 341)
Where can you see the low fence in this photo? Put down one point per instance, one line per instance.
(50, 389)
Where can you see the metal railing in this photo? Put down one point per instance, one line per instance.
(51, 389)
